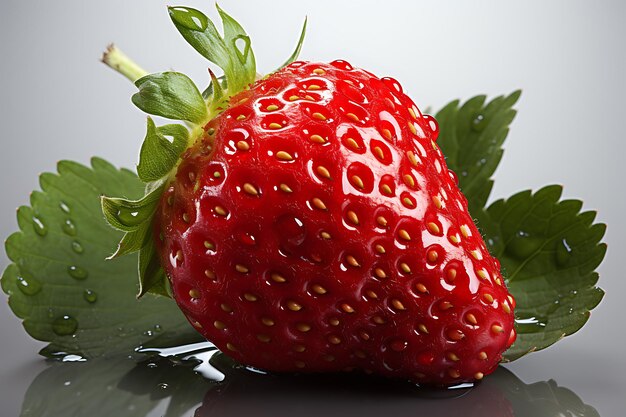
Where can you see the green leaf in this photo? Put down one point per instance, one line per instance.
(158, 155)
(296, 52)
(549, 251)
(60, 283)
(471, 138)
(171, 95)
(232, 53)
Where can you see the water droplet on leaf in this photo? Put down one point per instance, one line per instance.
(563, 252)
(77, 247)
(90, 296)
(77, 272)
(64, 325)
(530, 324)
(64, 207)
(39, 227)
(523, 245)
(189, 18)
(69, 227)
(479, 123)
(28, 286)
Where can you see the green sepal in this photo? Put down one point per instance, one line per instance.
(130, 215)
(152, 278)
(158, 155)
(133, 241)
(215, 92)
(208, 92)
(171, 95)
(296, 52)
(199, 31)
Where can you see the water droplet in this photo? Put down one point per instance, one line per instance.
(530, 324)
(291, 230)
(479, 123)
(90, 296)
(163, 385)
(73, 358)
(28, 286)
(77, 247)
(523, 245)
(247, 238)
(69, 227)
(563, 252)
(39, 227)
(77, 272)
(158, 328)
(148, 333)
(189, 18)
(152, 365)
(64, 207)
(64, 325)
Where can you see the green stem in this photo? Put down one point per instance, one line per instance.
(116, 59)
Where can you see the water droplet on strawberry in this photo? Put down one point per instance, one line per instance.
(291, 231)
(247, 238)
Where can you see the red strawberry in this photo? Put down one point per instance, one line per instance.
(313, 225)
(316, 227)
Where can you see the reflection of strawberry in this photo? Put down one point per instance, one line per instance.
(312, 225)
(246, 393)
(316, 227)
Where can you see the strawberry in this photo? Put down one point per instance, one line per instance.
(312, 225)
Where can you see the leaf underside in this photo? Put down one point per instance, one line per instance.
(60, 283)
(548, 249)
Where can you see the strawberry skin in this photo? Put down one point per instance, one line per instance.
(315, 227)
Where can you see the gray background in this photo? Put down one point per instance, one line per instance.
(58, 102)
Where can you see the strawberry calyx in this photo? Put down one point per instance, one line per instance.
(173, 95)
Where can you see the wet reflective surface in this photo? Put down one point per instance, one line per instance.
(200, 381)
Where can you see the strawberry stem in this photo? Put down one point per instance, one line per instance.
(114, 58)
